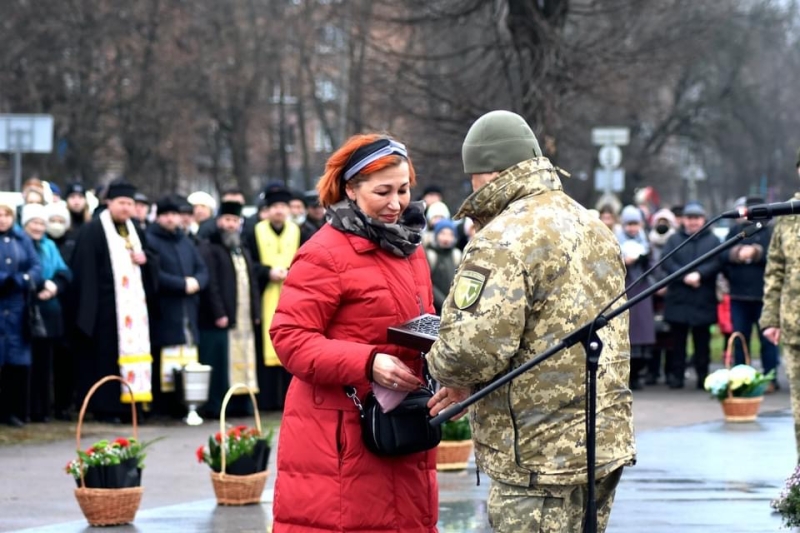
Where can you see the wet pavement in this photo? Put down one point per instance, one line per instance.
(704, 477)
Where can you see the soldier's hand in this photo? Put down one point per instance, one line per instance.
(445, 397)
(391, 372)
(773, 335)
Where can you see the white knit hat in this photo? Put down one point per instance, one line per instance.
(31, 211)
(437, 209)
(58, 209)
(202, 198)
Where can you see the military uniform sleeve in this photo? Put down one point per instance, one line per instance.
(483, 318)
(773, 280)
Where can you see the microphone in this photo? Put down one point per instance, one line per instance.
(765, 211)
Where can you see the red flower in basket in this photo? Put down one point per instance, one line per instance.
(240, 442)
(103, 454)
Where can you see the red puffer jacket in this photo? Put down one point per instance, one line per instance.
(342, 293)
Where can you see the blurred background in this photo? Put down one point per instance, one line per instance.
(191, 95)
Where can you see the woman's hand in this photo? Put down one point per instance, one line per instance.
(445, 397)
(391, 372)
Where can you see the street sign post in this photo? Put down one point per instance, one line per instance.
(610, 178)
(25, 134)
(692, 175)
(611, 135)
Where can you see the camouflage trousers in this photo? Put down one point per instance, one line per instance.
(549, 508)
(790, 356)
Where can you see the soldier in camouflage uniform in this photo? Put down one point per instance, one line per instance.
(539, 267)
(780, 318)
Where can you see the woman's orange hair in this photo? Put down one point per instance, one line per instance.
(331, 184)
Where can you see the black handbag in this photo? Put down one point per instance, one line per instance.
(35, 327)
(404, 430)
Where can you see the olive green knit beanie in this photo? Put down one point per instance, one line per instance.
(497, 141)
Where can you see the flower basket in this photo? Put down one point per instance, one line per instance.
(741, 409)
(107, 507)
(233, 489)
(454, 450)
(740, 403)
(453, 454)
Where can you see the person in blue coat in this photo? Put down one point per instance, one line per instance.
(55, 280)
(181, 275)
(19, 269)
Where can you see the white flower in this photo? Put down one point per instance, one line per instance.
(742, 375)
(717, 381)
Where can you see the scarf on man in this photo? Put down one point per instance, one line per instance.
(133, 330)
(401, 239)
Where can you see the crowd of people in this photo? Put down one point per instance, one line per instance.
(727, 291)
(140, 288)
(202, 285)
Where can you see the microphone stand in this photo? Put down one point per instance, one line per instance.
(587, 336)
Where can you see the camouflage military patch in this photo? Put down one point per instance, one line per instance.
(469, 286)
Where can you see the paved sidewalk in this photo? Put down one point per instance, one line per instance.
(694, 474)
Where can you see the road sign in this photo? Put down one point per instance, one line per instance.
(610, 156)
(26, 133)
(612, 135)
(609, 180)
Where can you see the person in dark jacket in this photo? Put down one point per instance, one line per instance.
(315, 213)
(19, 268)
(691, 303)
(182, 274)
(443, 258)
(230, 312)
(141, 211)
(55, 280)
(75, 198)
(60, 231)
(636, 253)
(744, 267)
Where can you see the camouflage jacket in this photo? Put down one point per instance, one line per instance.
(539, 267)
(782, 280)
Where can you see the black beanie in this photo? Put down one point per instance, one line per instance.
(230, 208)
(121, 189)
(167, 204)
(277, 196)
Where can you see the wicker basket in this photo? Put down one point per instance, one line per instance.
(739, 409)
(453, 454)
(237, 490)
(107, 507)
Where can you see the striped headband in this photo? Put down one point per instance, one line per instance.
(371, 153)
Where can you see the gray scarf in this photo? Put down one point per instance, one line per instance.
(401, 239)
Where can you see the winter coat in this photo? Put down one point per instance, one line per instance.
(685, 304)
(782, 280)
(19, 266)
(53, 269)
(540, 267)
(746, 280)
(219, 298)
(443, 264)
(175, 310)
(342, 293)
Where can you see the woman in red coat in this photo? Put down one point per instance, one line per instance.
(361, 273)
